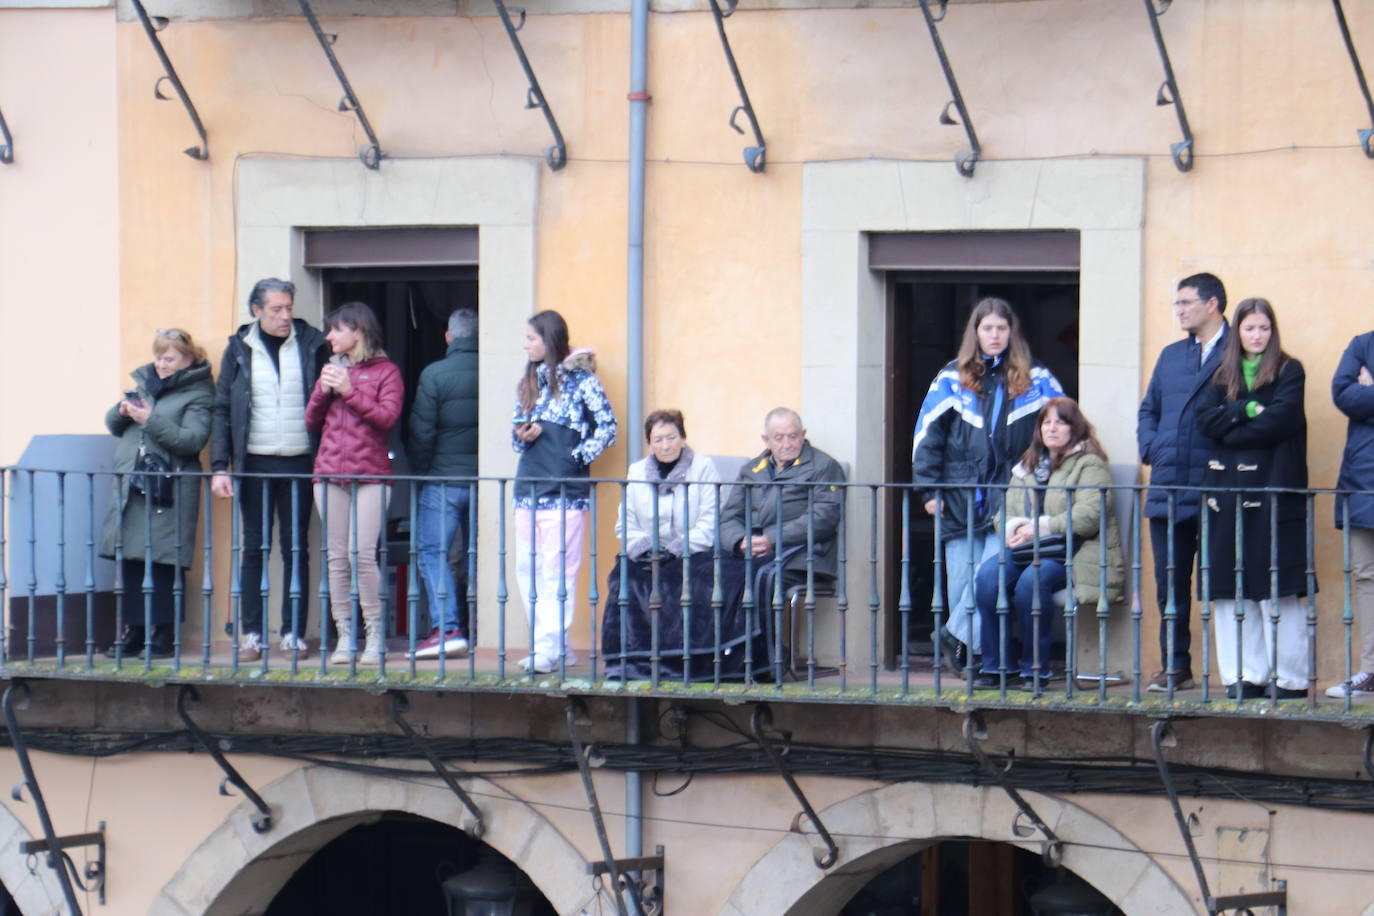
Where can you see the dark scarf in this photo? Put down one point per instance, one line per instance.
(677, 472)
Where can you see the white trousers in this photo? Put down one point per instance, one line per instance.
(1257, 641)
(552, 568)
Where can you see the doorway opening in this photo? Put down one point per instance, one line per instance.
(927, 312)
(962, 877)
(397, 865)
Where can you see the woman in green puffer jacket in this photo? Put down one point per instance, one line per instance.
(166, 414)
(1064, 456)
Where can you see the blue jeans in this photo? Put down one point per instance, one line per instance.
(1021, 588)
(960, 611)
(443, 514)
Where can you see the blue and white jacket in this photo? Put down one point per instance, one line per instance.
(577, 426)
(967, 438)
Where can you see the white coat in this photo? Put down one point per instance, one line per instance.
(638, 506)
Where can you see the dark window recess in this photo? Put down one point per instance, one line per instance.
(1048, 250)
(448, 247)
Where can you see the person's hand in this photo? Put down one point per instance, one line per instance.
(1364, 377)
(222, 486)
(1021, 534)
(760, 546)
(335, 378)
(932, 507)
(1259, 409)
(123, 408)
(528, 432)
(137, 412)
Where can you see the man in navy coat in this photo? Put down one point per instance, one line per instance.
(1170, 443)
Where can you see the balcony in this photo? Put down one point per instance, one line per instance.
(823, 641)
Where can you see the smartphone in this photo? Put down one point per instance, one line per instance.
(133, 397)
(520, 421)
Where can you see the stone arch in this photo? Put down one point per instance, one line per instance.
(237, 872)
(878, 828)
(36, 893)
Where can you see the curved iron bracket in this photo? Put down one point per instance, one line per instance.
(399, 704)
(153, 25)
(1366, 135)
(759, 723)
(976, 732)
(964, 160)
(58, 861)
(371, 155)
(755, 157)
(557, 155)
(1162, 736)
(1168, 94)
(263, 821)
(6, 148)
(577, 713)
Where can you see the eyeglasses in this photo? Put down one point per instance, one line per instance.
(1184, 303)
(171, 333)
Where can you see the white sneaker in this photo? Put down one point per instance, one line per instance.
(290, 641)
(1361, 685)
(250, 647)
(539, 664)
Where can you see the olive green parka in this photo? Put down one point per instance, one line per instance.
(1086, 473)
(177, 429)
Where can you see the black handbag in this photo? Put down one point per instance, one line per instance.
(151, 477)
(1052, 547)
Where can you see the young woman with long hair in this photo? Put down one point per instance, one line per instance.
(976, 419)
(1254, 415)
(356, 402)
(561, 423)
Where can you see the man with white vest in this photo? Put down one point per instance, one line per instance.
(258, 427)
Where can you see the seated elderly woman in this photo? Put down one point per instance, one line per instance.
(667, 523)
(1064, 457)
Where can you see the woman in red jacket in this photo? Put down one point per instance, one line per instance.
(355, 403)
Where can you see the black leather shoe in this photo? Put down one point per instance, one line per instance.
(1247, 691)
(953, 652)
(987, 682)
(161, 643)
(130, 641)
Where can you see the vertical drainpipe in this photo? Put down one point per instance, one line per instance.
(634, 330)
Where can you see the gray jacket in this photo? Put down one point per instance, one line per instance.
(813, 467)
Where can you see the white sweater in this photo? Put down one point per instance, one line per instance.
(639, 507)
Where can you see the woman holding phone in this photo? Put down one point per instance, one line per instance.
(166, 415)
(356, 402)
(562, 422)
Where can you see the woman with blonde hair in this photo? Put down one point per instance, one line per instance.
(356, 402)
(162, 422)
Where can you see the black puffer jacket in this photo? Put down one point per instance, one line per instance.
(234, 392)
(443, 422)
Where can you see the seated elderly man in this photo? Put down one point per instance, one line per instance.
(791, 460)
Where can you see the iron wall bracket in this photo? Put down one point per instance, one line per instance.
(651, 895)
(759, 723)
(976, 732)
(578, 715)
(1168, 94)
(964, 160)
(263, 821)
(399, 704)
(57, 860)
(1367, 134)
(1162, 735)
(94, 871)
(755, 157)
(6, 148)
(557, 155)
(371, 155)
(151, 26)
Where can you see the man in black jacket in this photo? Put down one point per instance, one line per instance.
(258, 427)
(443, 444)
(1170, 443)
(789, 458)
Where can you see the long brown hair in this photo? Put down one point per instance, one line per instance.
(1080, 431)
(553, 331)
(359, 317)
(1017, 354)
(1229, 374)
